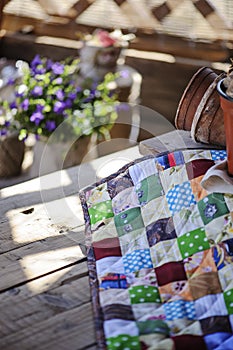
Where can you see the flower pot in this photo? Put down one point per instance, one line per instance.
(11, 156)
(192, 96)
(207, 125)
(226, 103)
(53, 155)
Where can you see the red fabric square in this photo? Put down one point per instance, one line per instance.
(171, 159)
(170, 272)
(198, 167)
(189, 342)
(107, 247)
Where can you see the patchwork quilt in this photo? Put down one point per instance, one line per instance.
(160, 255)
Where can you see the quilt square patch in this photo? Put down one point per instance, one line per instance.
(128, 200)
(144, 294)
(133, 241)
(150, 215)
(123, 341)
(228, 298)
(100, 211)
(179, 197)
(106, 248)
(113, 280)
(199, 263)
(180, 309)
(117, 311)
(198, 167)
(212, 207)
(215, 324)
(175, 290)
(149, 188)
(170, 272)
(219, 340)
(187, 341)
(139, 259)
(153, 326)
(128, 221)
(218, 155)
(173, 176)
(198, 191)
(142, 170)
(193, 242)
(210, 305)
(160, 230)
(119, 184)
(164, 252)
(204, 284)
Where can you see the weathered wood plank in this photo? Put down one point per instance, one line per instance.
(38, 258)
(21, 307)
(174, 140)
(72, 329)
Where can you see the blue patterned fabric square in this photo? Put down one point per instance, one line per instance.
(218, 154)
(180, 196)
(180, 309)
(138, 260)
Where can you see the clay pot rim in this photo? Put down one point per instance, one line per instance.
(222, 91)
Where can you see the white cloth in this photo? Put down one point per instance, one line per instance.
(217, 179)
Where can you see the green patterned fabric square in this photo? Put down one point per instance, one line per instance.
(228, 297)
(100, 211)
(149, 188)
(193, 242)
(153, 326)
(144, 294)
(128, 221)
(212, 206)
(123, 341)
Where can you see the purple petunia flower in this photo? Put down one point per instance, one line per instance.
(39, 108)
(59, 107)
(57, 68)
(122, 107)
(58, 81)
(3, 132)
(7, 124)
(25, 104)
(13, 105)
(36, 117)
(10, 81)
(37, 91)
(68, 103)
(60, 95)
(72, 95)
(36, 61)
(50, 125)
(49, 64)
(19, 94)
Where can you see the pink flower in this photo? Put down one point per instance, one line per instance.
(105, 38)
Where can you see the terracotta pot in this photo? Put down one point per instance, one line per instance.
(226, 103)
(11, 156)
(207, 125)
(192, 96)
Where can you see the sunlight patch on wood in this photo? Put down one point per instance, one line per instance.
(41, 263)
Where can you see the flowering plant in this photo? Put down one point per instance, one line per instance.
(53, 92)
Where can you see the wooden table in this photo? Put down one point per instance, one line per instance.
(45, 297)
